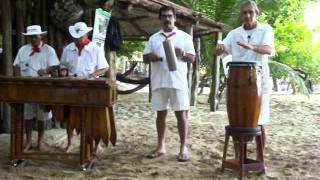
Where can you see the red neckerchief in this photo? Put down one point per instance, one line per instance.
(35, 50)
(80, 48)
(168, 36)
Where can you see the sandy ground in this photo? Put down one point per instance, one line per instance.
(292, 152)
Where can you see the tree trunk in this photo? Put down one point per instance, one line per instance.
(6, 18)
(214, 90)
(195, 74)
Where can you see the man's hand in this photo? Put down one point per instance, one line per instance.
(16, 71)
(42, 72)
(261, 49)
(98, 72)
(221, 49)
(245, 45)
(63, 72)
(179, 52)
(151, 57)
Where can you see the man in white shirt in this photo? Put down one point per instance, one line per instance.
(83, 59)
(253, 41)
(169, 88)
(35, 59)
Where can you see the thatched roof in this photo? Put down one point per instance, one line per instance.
(139, 18)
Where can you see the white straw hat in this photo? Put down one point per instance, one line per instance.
(79, 29)
(34, 30)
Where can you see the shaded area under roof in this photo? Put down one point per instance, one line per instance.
(139, 18)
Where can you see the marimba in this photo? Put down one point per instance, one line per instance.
(80, 93)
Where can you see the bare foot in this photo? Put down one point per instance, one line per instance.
(39, 147)
(98, 149)
(183, 154)
(27, 147)
(67, 149)
(158, 152)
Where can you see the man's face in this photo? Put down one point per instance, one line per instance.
(248, 15)
(167, 20)
(35, 40)
(81, 40)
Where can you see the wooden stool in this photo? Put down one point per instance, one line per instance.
(243, 164)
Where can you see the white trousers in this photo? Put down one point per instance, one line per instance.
(264, 117)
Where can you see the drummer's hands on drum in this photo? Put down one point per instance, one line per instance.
(42, 72)
(221, 48)
(63, 72)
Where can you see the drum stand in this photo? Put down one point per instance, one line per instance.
(242, 135)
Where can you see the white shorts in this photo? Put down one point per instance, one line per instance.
(264, 117)
(32, 111)
(165, 98)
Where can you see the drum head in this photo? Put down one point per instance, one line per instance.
(243, 64)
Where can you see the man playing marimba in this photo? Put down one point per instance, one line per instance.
(170, 88)
(253, 41)
(34, 60)
(83, 59)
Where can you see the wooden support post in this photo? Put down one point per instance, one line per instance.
(111, 58)
(19, 23)
(6, 18)
(17, 131)
(214, 90)
(44, 15)
(195, 73)
(189, 29)
(6, 23)
(82, 137)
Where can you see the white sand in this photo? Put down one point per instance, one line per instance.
(292, 152)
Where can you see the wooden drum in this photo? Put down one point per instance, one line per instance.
(244, 94)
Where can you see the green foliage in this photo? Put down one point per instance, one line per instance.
(293, 39)
(282, 71)
(130, 47)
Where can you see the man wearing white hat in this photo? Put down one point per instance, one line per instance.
(34, 60)
(82, 58)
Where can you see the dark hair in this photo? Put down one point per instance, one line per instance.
(167, 8)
